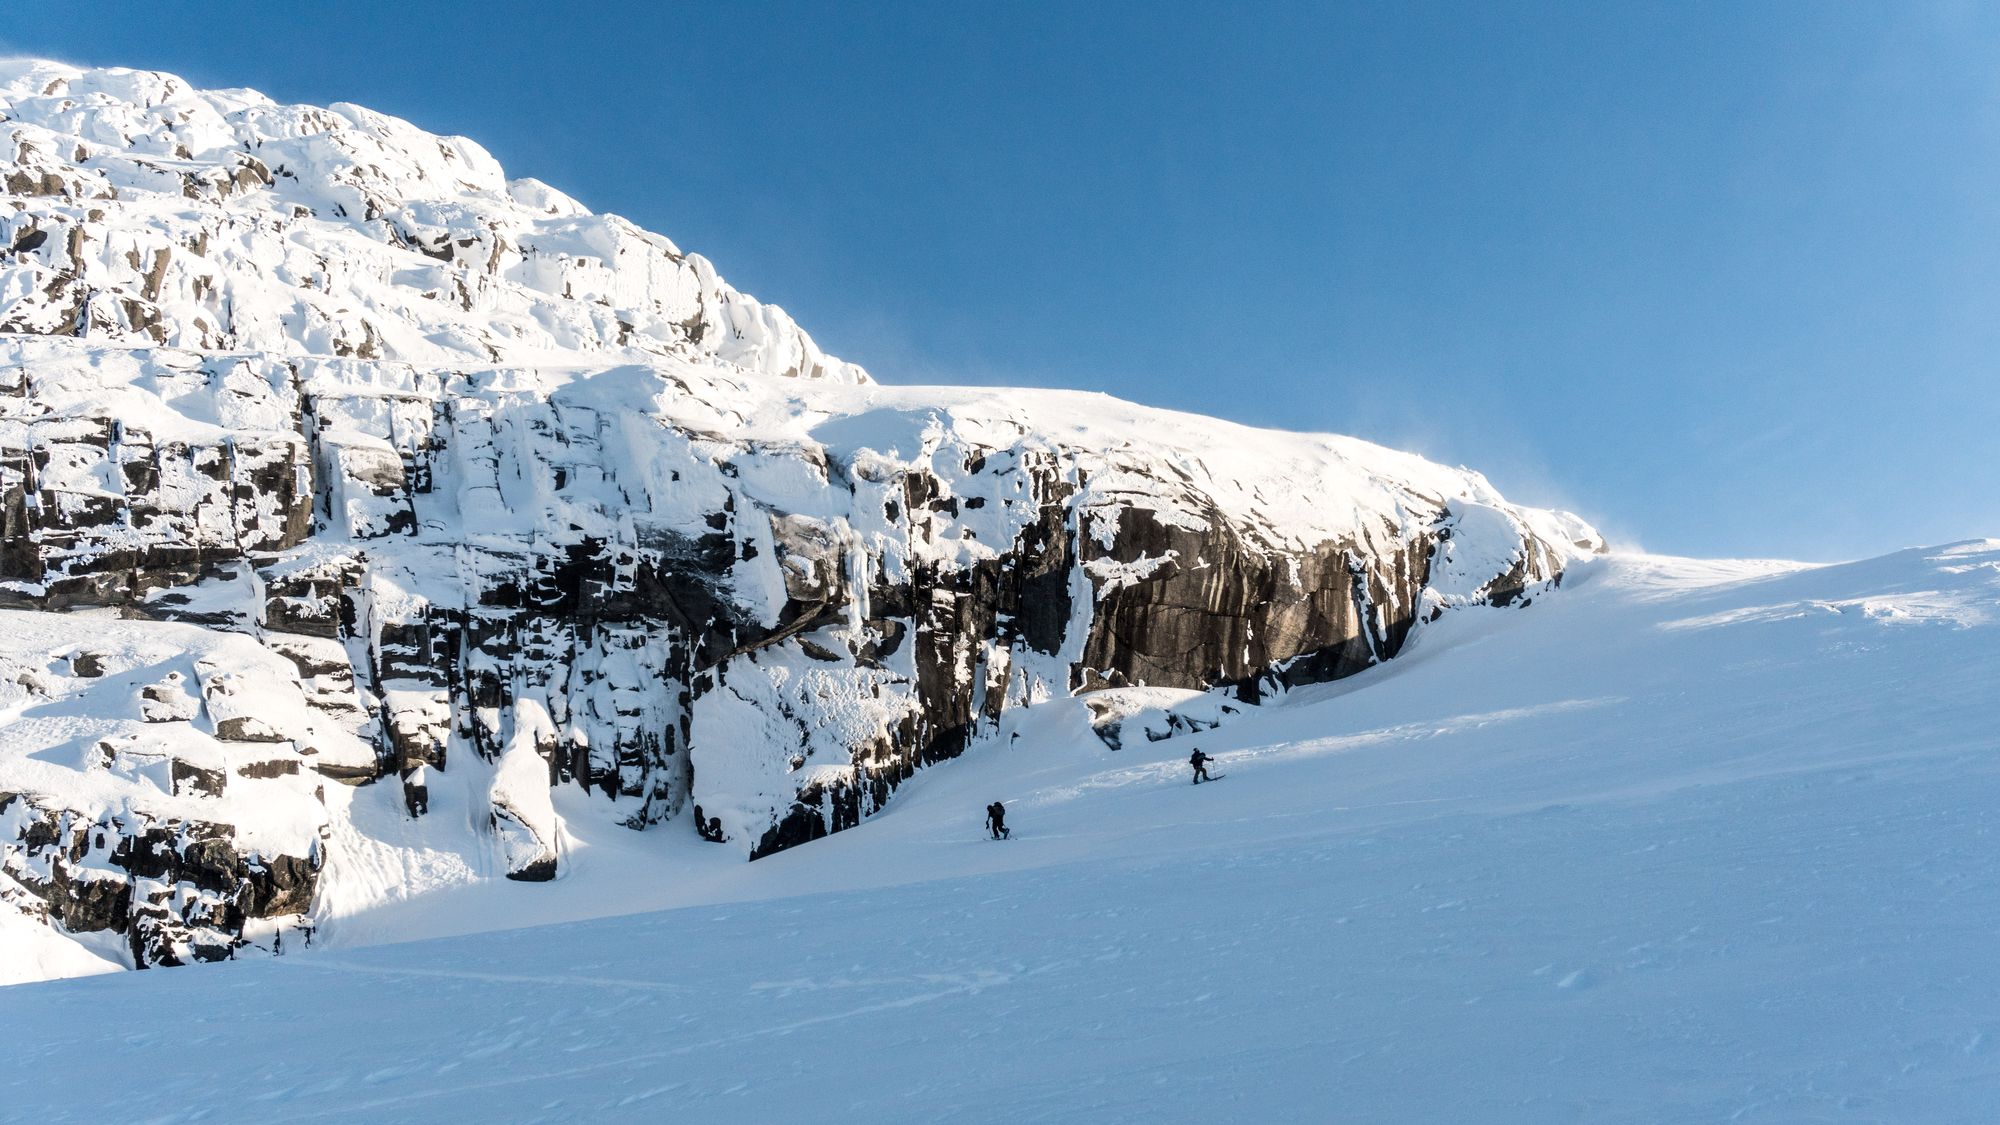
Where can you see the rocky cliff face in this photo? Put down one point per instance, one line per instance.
(411, 474)
(162, 785)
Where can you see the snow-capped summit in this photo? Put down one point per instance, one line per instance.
(407, 477)
(147, 211)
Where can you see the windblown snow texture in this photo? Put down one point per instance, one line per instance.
(1712, 843)
(331, 456)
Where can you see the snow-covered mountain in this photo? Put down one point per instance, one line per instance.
(372, 519)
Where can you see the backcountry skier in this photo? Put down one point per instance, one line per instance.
(1200, 762)
(417, 789)
(996, 820)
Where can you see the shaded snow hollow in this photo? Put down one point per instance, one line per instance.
(1721, 856)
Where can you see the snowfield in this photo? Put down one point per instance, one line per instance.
(1685, 841)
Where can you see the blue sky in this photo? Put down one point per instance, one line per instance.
(1722, 278)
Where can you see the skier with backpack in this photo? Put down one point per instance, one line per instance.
(996, 820)
(1200, 762)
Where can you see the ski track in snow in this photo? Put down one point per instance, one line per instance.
(1645, 852)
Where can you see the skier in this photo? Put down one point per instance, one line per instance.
(996, 820)
(417, 789)
(1200, 762)
(709, 829)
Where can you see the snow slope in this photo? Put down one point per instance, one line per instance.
(1724, 855)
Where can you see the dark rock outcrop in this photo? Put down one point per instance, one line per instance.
(175, 891)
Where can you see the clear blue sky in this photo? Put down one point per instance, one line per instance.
(1725, 279)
